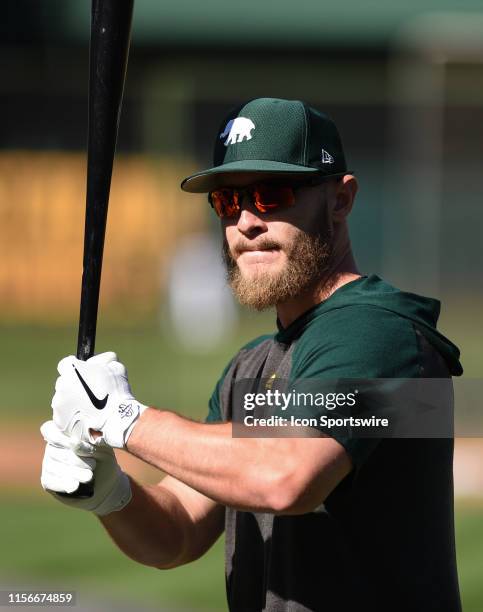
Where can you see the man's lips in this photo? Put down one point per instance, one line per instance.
(259, 250)
(253, 247)
(259, 255)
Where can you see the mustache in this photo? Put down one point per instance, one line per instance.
(264, 244)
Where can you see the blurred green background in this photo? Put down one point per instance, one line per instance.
(404, 82)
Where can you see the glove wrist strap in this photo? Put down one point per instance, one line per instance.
(118, 498)
(129, 430)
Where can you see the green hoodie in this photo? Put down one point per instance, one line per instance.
(370, 300)
(384, 538)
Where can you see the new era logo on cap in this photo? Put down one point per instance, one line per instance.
(327, 157)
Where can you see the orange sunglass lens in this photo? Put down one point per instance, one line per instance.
(272, 196)
(225, 202)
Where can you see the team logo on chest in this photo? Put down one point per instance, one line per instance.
(270, 381)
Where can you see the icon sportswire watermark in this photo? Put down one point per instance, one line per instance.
(365, 408)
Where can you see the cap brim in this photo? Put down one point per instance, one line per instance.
(242, 173)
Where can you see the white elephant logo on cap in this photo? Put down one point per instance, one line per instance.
(237, 130)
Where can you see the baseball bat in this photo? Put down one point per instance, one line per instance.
(109, 51)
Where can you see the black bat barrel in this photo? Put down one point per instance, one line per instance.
(109, 50)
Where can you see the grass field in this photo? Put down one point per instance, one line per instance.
(46, 544)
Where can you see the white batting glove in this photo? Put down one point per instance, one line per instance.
(69, 462)
(95, 395)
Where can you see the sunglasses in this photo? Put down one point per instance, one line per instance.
(266, 197)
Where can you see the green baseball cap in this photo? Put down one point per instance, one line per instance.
(269, 138)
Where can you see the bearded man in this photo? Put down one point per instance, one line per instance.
(324, 520)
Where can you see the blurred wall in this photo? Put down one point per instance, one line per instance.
(41, 231)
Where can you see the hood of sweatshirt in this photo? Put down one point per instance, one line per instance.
(372, 290)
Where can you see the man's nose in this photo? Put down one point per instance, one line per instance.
(249, 222)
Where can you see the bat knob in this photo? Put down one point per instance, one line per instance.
(85, 490)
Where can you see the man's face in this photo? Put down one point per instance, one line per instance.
(273, 257)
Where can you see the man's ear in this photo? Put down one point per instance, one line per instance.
(345, 194)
